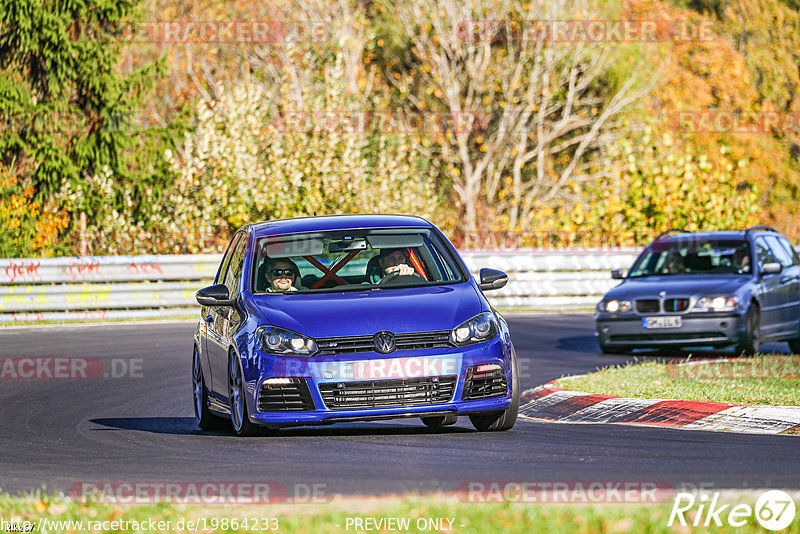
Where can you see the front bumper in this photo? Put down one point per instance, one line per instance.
(696, 330)
(327, 372)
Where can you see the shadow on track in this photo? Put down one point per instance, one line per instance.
(187, 426)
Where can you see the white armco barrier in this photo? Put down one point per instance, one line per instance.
(120, 287)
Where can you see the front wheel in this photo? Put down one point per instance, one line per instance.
(504, 419)
(751, 340)
(794, 344)
(237, 400)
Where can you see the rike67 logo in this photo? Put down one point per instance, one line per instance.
(774, 510)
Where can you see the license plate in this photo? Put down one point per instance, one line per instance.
(661, 322)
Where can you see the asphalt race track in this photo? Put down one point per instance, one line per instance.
(138, 426)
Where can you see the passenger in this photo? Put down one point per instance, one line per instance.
(394, 261)
(281, 275)
(674, 263)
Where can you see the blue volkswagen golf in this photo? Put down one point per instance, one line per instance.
(320, 320)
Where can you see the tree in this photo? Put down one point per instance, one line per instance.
(552, 104)
(69, 113)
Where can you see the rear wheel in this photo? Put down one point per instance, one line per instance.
(237, 400)
(794, 344)
(202, 414)
(751, 339)
(437, 421)
(504, 419)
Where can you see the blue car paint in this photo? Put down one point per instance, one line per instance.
(318, 315)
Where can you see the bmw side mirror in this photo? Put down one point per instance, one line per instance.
(616, 274)
(216, 295)
(492, 279)
(771, 268)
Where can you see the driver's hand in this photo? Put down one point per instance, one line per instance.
(402, 270)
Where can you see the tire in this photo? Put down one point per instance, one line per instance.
(237, 400)
(438, 421)
(794, 345)
(750, 343)
(504, 419)
(202, 414)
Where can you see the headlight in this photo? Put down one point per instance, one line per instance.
(480, 328)
(276, 340)
(719, 303)
(614, 306)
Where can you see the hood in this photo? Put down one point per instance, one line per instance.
(680, 285)
(356, 313)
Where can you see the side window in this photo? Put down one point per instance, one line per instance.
(763, 252)
(226, 260)
(234, 274)
(790, 250)
(779, 251)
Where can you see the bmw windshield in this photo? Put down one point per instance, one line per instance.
(352, 260)
(693, 257)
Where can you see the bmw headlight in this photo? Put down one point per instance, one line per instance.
(482, 327)
(276, 340)
(614, 306)
(715, 304)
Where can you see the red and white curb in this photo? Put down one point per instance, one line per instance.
(553, 403)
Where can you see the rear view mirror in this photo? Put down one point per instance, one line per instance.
(214, 296)
(617, 274)
(492, 279)
(771, 268)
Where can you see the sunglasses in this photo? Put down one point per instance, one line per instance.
(282, 272)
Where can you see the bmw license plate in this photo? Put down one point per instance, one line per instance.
(661, 322)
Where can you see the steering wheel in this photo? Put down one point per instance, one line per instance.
(396, 278)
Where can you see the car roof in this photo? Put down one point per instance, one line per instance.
(336, 222)
(734, 235)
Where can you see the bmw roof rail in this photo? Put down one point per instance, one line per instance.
(760, 228)
(671, 230)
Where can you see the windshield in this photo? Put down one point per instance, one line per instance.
(352, 260)
(694, 257)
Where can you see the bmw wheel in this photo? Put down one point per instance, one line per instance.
(237, 400)
(504, 419)
(751, 339)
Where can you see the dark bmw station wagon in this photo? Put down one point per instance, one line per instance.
(705, 289)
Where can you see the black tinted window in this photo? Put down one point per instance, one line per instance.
(226, 260)
(234, 274)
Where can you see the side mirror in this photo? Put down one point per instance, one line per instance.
(771, 268)
(214, 296)
(492, 279)
(617, 274)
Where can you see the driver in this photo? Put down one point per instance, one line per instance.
(394, 261)
(281, 275)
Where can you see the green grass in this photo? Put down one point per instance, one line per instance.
(768, 379)
(332, 517)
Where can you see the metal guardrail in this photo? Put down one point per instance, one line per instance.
(118, 287)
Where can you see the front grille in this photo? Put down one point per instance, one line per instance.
(388, 393)
(676, 305)
(676, 336)
(647, 306)
(485, 382)
(292, 397)
(408, 341)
